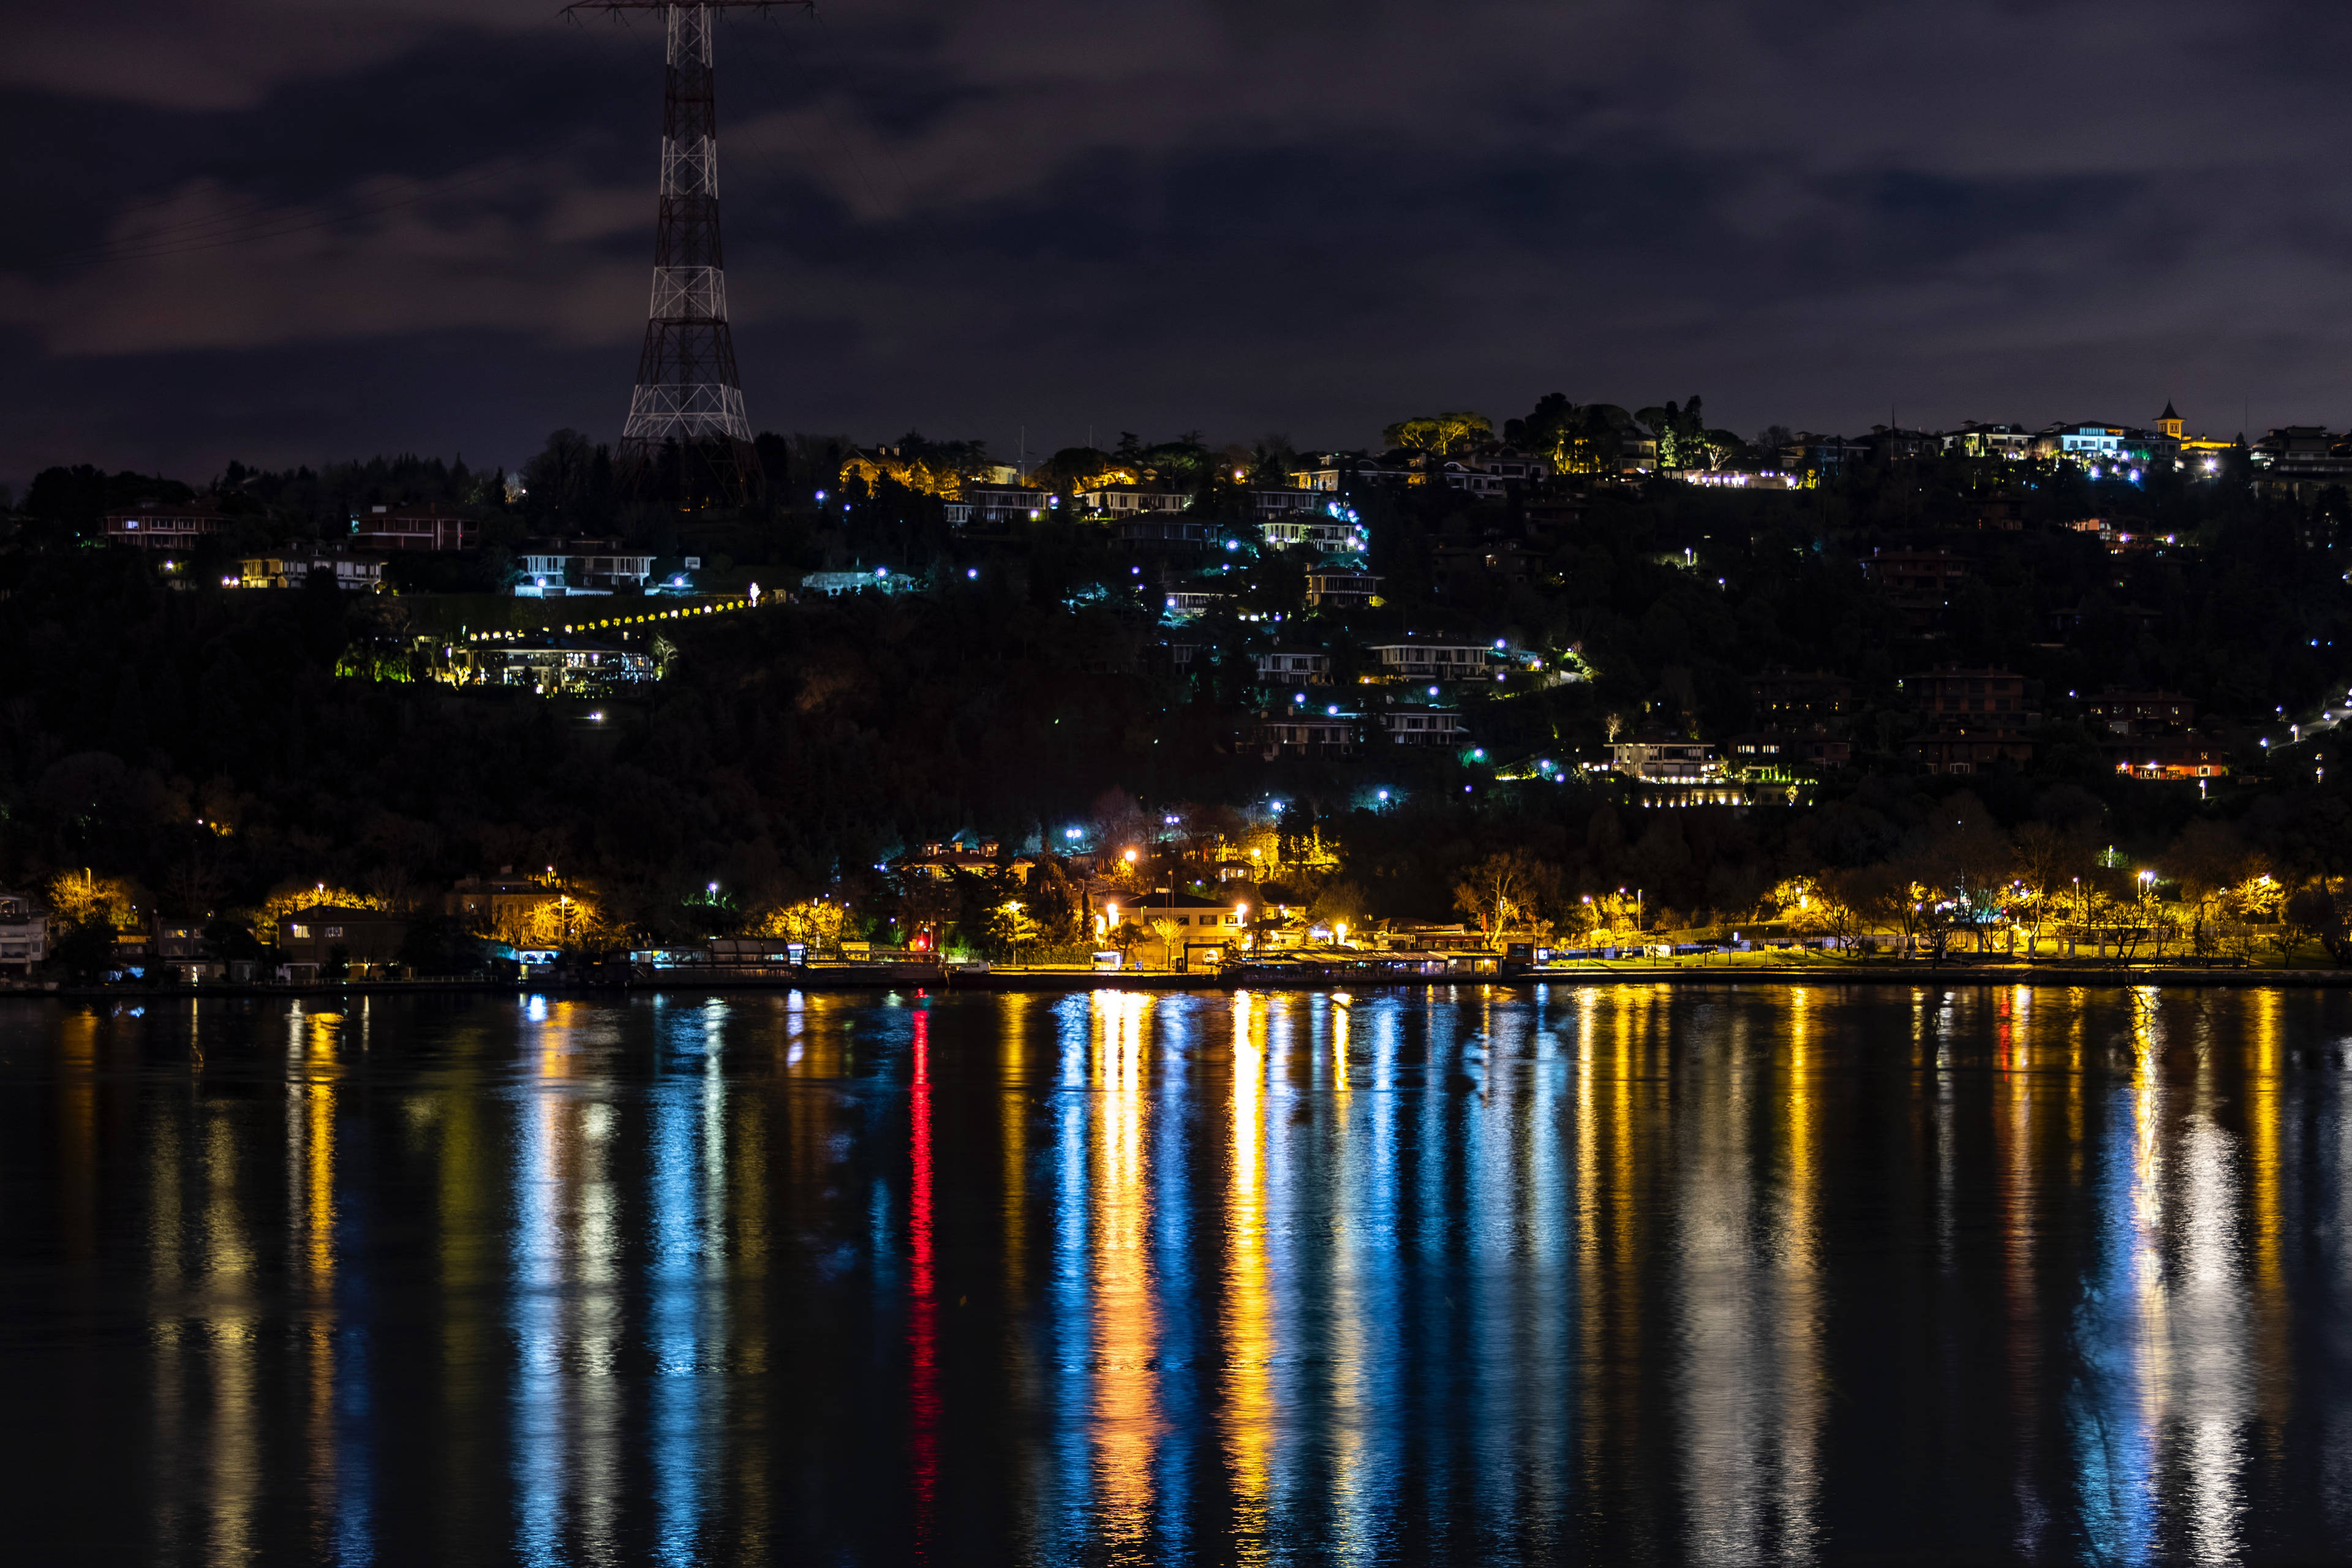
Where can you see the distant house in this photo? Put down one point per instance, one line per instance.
(561, 569)
(1665, 759)
(294, 566)
(312, 939)
(2157, 757)
(24, 933)
(998, 504)
(1951, 692)
(1893, 444)
(1506, 558)
(179, 946)
(1117, 501)
(1341, 590)
(1784, 698)
(940, 861)
(1932, 571)
(157, 525)
(1187, 602)
(1289, 502)
(2141, 712)
(1774, 750)
(833, 584)
(1185, 927)
(1424, 727)
(2099, 443)
(1345, 473)
(1294, 666)
(1326, 536)
(503, 902)
(1491, 473)
(552, 664)
(1434, 660)
(1157, 530)
(1972, 439)
(1970, 750)
(1304, 734)
(431, 527)
(2301, 460)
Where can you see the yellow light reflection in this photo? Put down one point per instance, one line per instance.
(2274, 1347)
(1126, 1325)
(1249, 1403)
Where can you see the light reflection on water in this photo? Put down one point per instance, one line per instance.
(1727, 1276)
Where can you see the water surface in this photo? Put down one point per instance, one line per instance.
(1638, 1273)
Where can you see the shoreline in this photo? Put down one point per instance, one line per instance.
(1007, 981)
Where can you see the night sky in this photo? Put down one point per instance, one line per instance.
(310, 229)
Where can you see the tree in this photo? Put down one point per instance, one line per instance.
(1439, 434)
(440, 945)
(1012, 932)
(1506, 889)
(86, 952)
(2314, 911)
(2049, 864)
(1339, 904)
(2214, 866)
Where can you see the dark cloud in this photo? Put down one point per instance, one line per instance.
(295, 231)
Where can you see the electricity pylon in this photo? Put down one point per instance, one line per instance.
(689, 398)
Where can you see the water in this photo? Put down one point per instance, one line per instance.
(1728, 1275)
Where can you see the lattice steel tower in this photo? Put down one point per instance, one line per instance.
(688, 392)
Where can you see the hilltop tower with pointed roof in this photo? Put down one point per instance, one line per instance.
(2169, 422)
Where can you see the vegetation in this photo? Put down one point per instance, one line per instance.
(190, 751)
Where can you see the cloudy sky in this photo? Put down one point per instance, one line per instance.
(296, 230)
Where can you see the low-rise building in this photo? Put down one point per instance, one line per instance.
(1117, 501)
(1495, 472)
(503, 903)
(1185, 929)
(1188, 601)
(1778, 751)
(550, 664)
(162, 525)
(1665, 759)
(1787, 699)
(430, 527)
(1288, 502)
(1926, 571)
(940, 861)
(1435, 660)
(880, 580)
(1326, 536)
(1341, 590)
(1166, 530)
(1305, 735)
(2141, 712)
(995, 505)
(1958, 750)
(559, 569)
(2301, 460)
(1512, 559)
(2169, 756)
(1423, 726)
(311, 941)
(1893, 444)
(2011, 442)
(178, 946)
(1951, 692)
(1294, 666)
(294, 566)
(1346, 473)
(24, 933)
